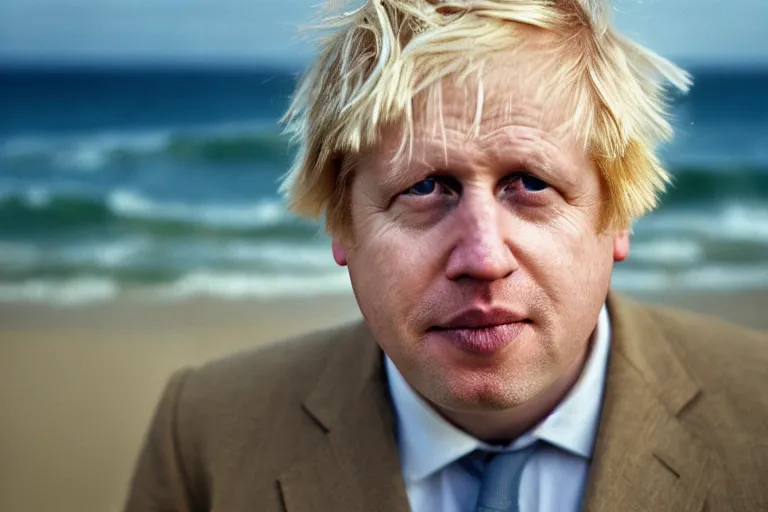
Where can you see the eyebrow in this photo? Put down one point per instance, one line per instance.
(536, 157)
(399, 179)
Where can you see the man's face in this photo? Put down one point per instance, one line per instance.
(478, 263)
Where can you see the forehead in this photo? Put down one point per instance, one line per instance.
(510, 99)
(513, 88)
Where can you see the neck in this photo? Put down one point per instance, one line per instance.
(501, 427)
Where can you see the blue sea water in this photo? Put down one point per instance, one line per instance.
(162, 184)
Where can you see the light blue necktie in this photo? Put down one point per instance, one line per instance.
(500, 487)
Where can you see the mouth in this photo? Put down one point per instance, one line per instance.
(481, 332)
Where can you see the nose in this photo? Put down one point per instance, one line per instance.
(482, 250)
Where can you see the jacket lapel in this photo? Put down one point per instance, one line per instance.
(356, 466)
(644, 458)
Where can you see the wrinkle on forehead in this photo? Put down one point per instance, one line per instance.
(511, 91)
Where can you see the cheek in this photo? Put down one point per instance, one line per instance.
(391, 272)
(565, 257)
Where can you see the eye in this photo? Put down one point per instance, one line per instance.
(532, 184)
(422, 188)
(522, 183)
(436, 185)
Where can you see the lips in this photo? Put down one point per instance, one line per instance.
(478, 318)
(481, 331)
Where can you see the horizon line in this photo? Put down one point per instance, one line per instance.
(269, 64)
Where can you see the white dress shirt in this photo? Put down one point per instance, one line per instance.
(553, 480)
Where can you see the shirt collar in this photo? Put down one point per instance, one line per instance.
(428, 443)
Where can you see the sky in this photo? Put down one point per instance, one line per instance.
(252, 31)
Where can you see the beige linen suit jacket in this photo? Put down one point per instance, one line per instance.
(307, 425)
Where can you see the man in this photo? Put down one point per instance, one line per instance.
(478, 165)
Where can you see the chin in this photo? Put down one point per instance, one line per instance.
(481, 392)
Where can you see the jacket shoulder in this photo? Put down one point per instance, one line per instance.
(243, 415)
(728, 362)
(233, 423)
(278, 373)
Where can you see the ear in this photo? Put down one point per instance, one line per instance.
(339, 252)
(621, 245)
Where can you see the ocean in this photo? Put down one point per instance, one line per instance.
(161, 185)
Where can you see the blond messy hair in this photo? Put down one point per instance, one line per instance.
(379, 58)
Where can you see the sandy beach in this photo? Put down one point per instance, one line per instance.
(78, 385)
